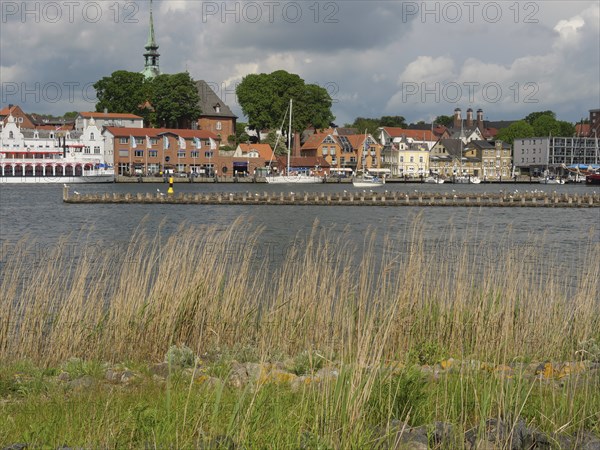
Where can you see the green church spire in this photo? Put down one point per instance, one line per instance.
(151, 67)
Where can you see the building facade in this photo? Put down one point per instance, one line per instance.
(106, 119)
(536, 155)
(26, 152)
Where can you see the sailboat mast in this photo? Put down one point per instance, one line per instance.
(290, 138)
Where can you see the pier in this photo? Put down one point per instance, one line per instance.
(526, 199)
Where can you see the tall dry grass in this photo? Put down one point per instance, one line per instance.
(397, 296)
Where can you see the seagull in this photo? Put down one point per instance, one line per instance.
(75, 192)
(65, 185)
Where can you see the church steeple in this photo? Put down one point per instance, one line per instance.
(151, 67)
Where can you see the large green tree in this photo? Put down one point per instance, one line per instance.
(264, 99)
(519, 129)
(122, 92)
(167, 100)
(175, 100)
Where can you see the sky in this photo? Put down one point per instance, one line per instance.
(413, 59)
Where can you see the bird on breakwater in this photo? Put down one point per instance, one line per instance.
(75, 192)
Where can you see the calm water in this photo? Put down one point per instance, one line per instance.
(38, 212)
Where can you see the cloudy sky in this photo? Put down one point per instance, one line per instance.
(415, 59)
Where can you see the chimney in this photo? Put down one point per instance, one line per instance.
(457, 118)
(105, 110)
(480, 119)
(469, 118)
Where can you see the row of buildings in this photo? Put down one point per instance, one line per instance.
(121, 140)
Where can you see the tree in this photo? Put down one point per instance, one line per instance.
(546, 125)
(122, 92)
(365, 123)
(534, 115)
(444, 120)
(175, 99)
(241, 136)
(71, 114)
(264, 99)
(566, 128)
(516, 130)
(392, 121)
(167, 100)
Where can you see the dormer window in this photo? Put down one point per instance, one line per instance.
(217, 108)
(36, 135)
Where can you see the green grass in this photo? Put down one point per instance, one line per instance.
(177, 296)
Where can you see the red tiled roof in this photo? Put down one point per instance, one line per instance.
(108, 115)
(6, 110)
(264, 150)
(582, 129)
(315, 140)
(419, 135)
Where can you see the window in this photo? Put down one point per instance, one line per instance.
(138, 153)
(324, 150)
(87, 150)
(123, 153)
(97, 150)
(153, 141)
(420, 159)
(181, 153)
(219, 126)
(208, 154)
(92, 138)
(123, 140)
(195, 154)
(153, 153)
(412, 159)
(11, 135)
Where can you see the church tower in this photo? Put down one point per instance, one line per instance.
(151, 68)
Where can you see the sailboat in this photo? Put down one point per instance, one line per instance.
(548, 178)
(462, 179)
(288, 177)
(366, 179)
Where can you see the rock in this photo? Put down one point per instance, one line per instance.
(500, 434)
(238, 377)
(127, 377)
(277, 376)
(400, 435)
(113, 376)
(443, 434)
(78, 384)
(19, 446)
(327, 373)
(161, 370)
(64, 376)
(588, 441)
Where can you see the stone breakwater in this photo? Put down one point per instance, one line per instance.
(358, 198)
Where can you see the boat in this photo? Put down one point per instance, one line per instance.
(466, 180)
(291, 176)
(434, 180)
(551, 179)
(40, 156)
(368, 180)
(592, 178)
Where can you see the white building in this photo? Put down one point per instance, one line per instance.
(106, 119)
(538, 154)
(49, 153)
